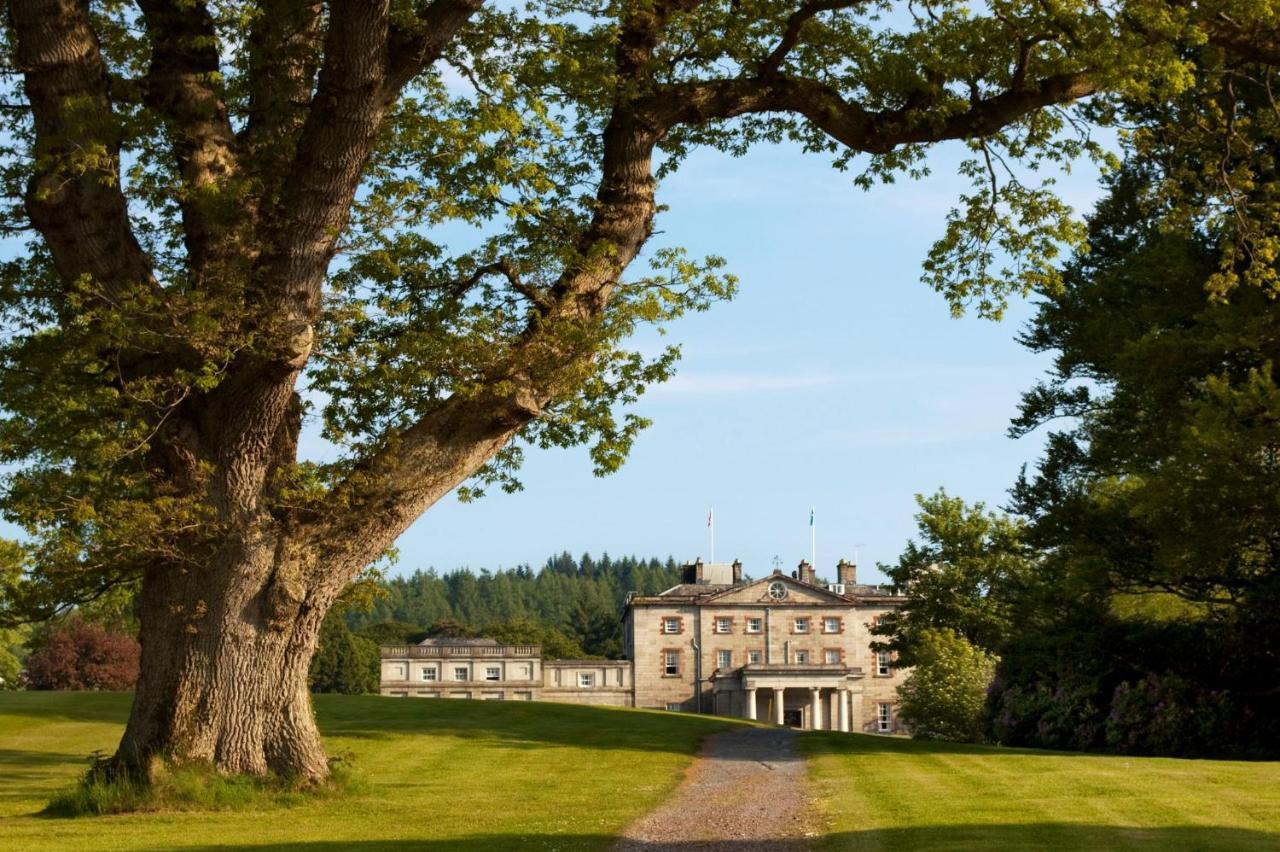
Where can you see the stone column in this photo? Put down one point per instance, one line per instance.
(815, 708)
(778, 694)
(843, 695)
(856, 721)
(751, 703)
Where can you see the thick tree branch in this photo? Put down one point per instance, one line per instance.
(180, 85)
(301, 228)
(416, 48)
(74, 198)
(1248, 43)
(795, 23)
(284, 56)
(365, 66)
(850, 123)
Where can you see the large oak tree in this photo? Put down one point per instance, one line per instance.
(411, 221)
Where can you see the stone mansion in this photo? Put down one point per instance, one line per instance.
(787, 649)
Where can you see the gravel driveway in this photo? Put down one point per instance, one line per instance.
(746, 790)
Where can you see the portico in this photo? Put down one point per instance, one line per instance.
(819, 698)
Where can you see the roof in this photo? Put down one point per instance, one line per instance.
(586, 662)
(705, 592)
(694, 589)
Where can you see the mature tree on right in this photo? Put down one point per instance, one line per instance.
(1154, 621)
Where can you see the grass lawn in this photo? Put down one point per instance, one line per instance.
(478, 775)
(465, 775)
(893, 793)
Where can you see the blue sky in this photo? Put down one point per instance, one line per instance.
(834, 380)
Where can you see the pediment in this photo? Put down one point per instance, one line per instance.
(757, 592)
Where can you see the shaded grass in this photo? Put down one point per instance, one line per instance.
(895, 793)
(437, 773)
(193, 787)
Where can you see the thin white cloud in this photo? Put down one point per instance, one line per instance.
(731, 383)
(917, 435)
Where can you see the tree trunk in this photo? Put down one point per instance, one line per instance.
(225, 656)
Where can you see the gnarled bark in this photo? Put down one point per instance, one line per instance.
(225, 655)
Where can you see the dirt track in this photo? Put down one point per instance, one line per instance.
(745, 792)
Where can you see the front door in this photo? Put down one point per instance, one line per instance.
(793, 718)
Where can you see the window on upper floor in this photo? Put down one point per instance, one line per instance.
(724, 625)
(831, 625)
(754, 625)
(753, 657)
(831, 656)
(801, 625)
(724, 659)
(670, 625)
(884, 663)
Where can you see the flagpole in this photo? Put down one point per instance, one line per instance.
(813, 541)
(711, 532)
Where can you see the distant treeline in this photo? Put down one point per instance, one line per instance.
(580, 597)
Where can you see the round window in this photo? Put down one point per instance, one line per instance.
(777, 590)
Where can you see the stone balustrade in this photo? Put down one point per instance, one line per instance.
(471, 651)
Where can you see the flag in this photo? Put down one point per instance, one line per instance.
(811, 517)
(709, 513)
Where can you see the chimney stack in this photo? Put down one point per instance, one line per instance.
(806, 574)
(846, 573)
(737, 571)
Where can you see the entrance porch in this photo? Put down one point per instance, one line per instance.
(815, 698)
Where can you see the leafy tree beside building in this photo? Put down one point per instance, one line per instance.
(945, 696)
(343, 662)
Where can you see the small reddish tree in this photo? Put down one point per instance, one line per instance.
(81, 655)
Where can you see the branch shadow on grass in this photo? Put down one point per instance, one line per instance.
(822, 743)
(511, 724)
(20, 769)
(1029, 836)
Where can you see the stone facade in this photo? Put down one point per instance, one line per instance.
(787, 649)
(487, 670)
(791, 650)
